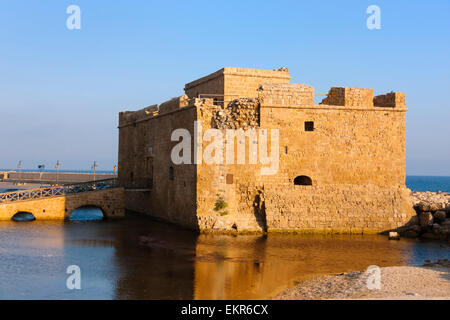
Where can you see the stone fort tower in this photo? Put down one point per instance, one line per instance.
(341, 163)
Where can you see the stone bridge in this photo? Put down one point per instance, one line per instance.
(58, 203)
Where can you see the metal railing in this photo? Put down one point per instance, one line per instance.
(219, 99)
(61, 190)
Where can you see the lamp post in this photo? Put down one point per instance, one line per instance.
(19, 166)
(95, 165)
(58, 164)
(41, 168)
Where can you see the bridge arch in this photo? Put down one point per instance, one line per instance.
(87, 212)
(57, 204)
(23, 216)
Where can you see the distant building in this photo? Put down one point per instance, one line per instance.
(341, 163)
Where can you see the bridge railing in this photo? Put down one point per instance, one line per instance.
(61, 190)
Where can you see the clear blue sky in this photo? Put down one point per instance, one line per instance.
(61, 90)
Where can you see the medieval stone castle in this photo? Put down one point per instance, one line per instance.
(340, 164)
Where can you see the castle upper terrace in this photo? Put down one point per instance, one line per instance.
(272, 88)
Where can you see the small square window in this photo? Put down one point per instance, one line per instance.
(229, 179)
(309, 125)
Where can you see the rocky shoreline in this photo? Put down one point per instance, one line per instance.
(433, 216)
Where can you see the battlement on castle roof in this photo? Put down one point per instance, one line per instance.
(272, 88)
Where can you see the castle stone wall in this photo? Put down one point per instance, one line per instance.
(236, 82)
(289, 94)
(144, 163)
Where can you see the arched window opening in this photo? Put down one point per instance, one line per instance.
(303, 181)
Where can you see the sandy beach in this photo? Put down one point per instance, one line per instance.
(431, 281)
(11, 185)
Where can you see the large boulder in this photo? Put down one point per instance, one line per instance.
(394, 235)
(431, 236)
(425, 219)
(415, 228)
(422, 206)
(410, 234)
(439, 216)
(445, 231)
(412, 231)
(436, 228)
(413, 221)
(435, 206)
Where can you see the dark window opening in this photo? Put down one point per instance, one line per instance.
(229, 179)
(309, 125)
(286, 150)
(150, 180)
(131, 175)
(171, 174)
(303, 181)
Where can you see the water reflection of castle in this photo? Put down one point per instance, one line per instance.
(173, 264)
(256, 267)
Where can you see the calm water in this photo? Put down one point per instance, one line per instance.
(423, 183)
(138, 258)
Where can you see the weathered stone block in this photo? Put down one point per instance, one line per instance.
(390, 100)
(439, 216)
(346, 96)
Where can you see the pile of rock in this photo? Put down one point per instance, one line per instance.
(239, 113)
(440, 263)
(433, 216)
